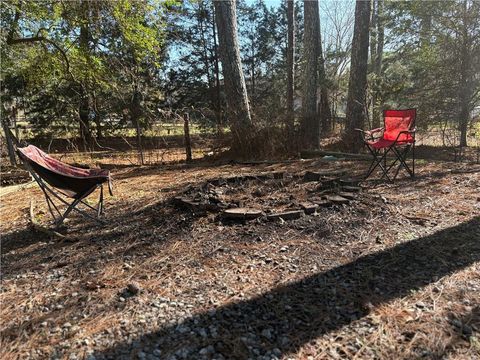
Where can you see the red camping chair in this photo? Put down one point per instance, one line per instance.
(398, 138)
(56, 178)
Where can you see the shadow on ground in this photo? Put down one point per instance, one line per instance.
(287, 317)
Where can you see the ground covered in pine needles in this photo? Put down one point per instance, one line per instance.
(392, 273)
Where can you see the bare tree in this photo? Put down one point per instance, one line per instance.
(337, 40)
(356, 104)
(236, 91)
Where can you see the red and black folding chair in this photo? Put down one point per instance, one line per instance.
(397, 138)
(62, 181)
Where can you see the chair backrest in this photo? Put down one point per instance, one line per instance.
(396, 121)
(63, 176)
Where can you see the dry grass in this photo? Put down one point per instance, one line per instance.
(200, 261)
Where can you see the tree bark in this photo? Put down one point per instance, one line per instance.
(135, 115)
(356, 107)
(290, 66)
(310, 131)
(235, 88)
(466, 90)
(84, 104)
(186, 134)
(377, 64)
(373, 33)
(8, 137)
(324, 106)
(218, 109)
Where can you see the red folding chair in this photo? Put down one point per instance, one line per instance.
(59, 180)
(397, 138)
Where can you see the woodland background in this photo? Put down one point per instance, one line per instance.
(82, 72)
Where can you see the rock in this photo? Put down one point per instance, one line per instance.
(267, 333)
(467, 330)
(351, 188)
(134, 288)
(242, 213)
(157, 352)
(347, 195)
(328, 183)
(311, 176)
(277, 352)
(457, 323)
(309, 207)
(207, 350)
(287, 215)
(337, 199)
(316, 176)
(350, 182)
(323, 202)
(202, 332)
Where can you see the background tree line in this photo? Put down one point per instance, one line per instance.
(280, 76)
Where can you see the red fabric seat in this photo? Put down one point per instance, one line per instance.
(73, 180)
(65, 180)
(397, 139)
(384, 143)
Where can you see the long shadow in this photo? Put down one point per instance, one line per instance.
(289, 316)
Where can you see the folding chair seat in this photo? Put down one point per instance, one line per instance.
(60, 180)
(397, 139)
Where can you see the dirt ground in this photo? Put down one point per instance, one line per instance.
(392, 274)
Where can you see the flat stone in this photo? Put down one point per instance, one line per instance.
(328, 183)
(309, 207)
(337, 199)
(347, 195)
(311, 176)
(349, 182)
(351, 188)
(242, 213)
(287, 215)
(322, 202)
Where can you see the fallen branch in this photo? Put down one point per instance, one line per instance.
(308, 154)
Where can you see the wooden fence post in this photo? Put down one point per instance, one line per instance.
(8, 138)
(188, 144)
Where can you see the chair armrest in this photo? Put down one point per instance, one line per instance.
(373, 131)
(369, 133)
(412, 132)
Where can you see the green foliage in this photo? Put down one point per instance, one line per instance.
(433, 50)
(53, 69)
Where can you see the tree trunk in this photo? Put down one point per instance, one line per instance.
(235, 88)
(373, 33)
(8, 137)
(324, 108)
(356, 107)
(186, 134)
(206, 61)
(218, 109)
(290, 65)
(135, 115)
(310, 124)
(466, 90)
(84, 105)
(377, 64)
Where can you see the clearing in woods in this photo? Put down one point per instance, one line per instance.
(392, 271)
